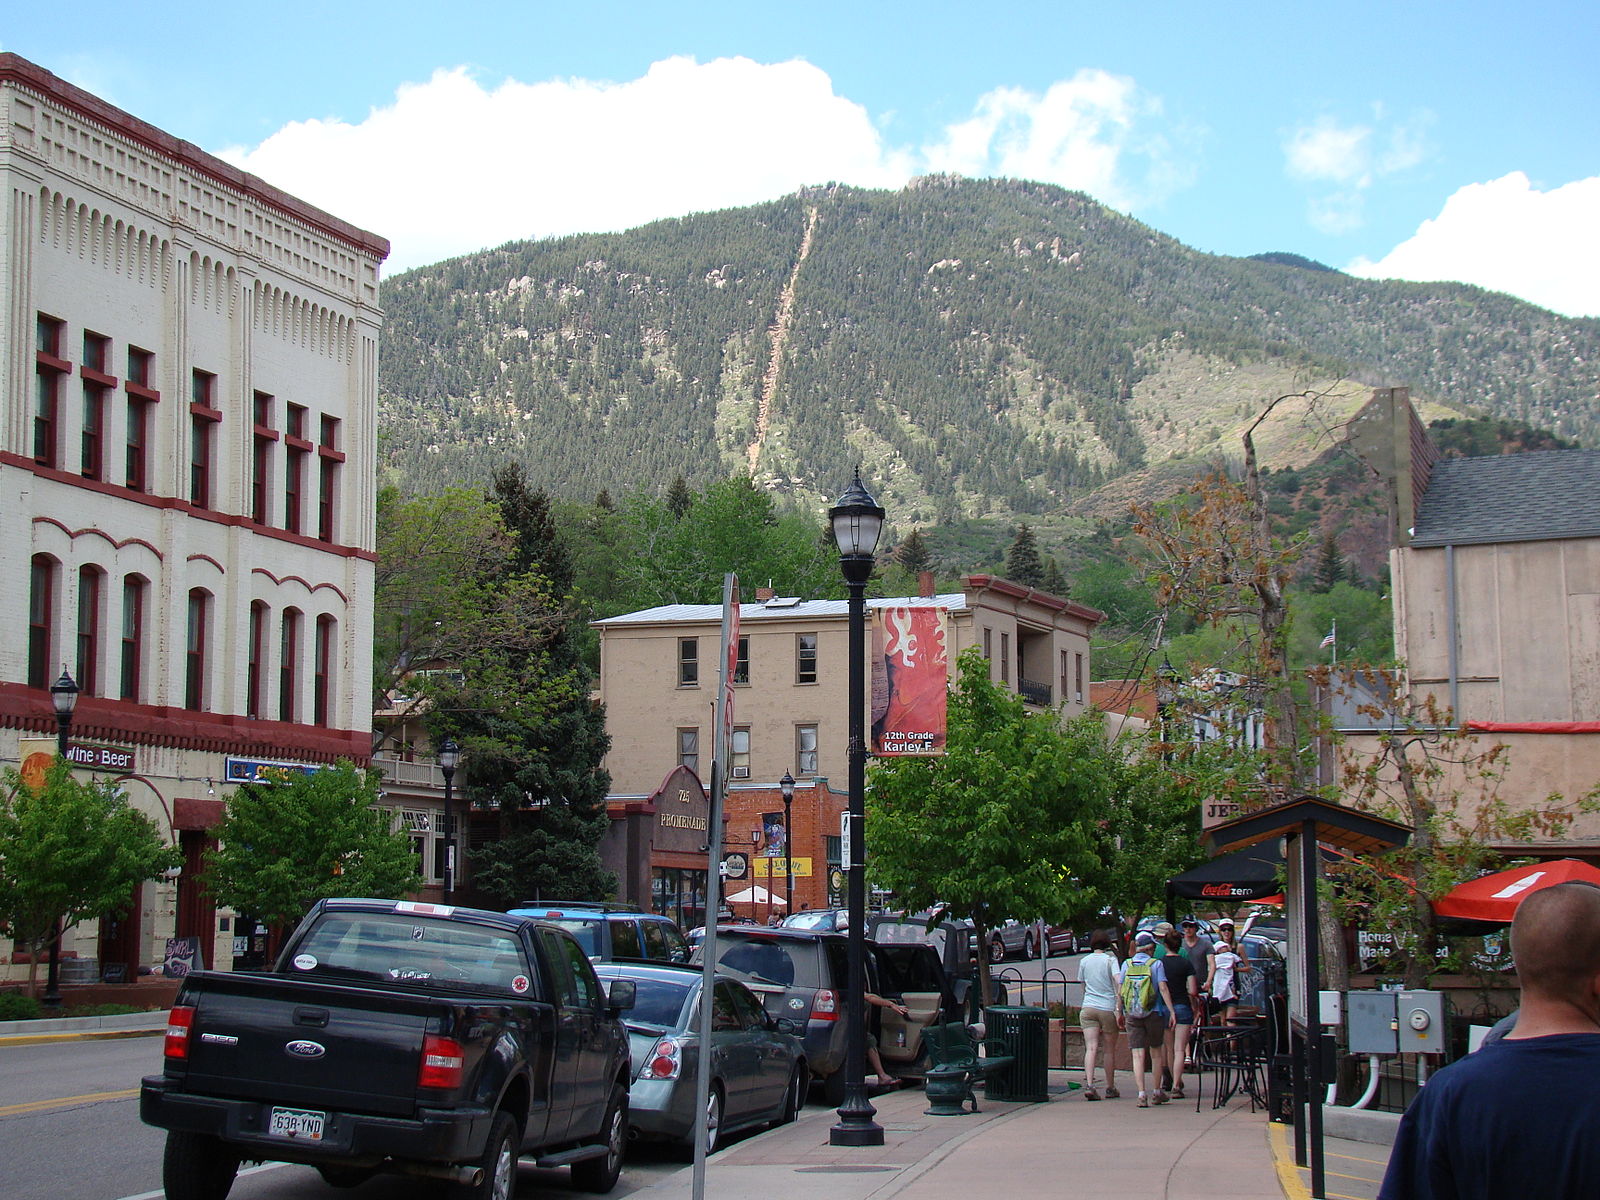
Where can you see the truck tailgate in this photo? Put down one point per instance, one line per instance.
(305, 1042)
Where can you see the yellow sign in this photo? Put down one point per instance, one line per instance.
(773, 868)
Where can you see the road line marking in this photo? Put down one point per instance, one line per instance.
(11, 1110)
(160, 1193)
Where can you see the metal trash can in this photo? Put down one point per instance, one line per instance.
(1022, 1033)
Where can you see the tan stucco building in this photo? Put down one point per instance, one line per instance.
(658, 680)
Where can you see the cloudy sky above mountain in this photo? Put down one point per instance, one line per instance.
(1376, 138)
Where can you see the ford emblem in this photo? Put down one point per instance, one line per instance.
(303, 1049)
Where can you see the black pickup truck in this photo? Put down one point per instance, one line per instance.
(395, 1036)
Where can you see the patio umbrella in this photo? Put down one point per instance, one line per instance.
(755, 894)
(1495, 897)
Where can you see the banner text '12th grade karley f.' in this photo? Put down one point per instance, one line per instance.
(910, 677)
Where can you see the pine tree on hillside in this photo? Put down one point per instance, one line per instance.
(1330, 567)
(1022, 560)
(913, 554)
(1054, 581)
(679, 498)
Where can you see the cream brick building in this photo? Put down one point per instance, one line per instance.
(187, 442)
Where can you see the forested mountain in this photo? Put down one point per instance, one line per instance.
(982, 348)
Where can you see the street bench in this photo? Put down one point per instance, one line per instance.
(955, 1064)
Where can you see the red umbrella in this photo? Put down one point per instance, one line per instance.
(1495, 897)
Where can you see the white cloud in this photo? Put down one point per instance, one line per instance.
(450, 166)
(1083, 133)
(1509, 236)
(1350, 159)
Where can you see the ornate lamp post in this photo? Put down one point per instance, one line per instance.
(449, 757)
(786, 786)
(857, 521)
(64, 695)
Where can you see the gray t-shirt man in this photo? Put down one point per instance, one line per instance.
(1199, 949)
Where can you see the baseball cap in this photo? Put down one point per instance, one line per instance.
(1190, 922)
(1163, 929)
(1226, 922)
(1145, 938)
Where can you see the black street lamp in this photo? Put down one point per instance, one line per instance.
(786, 786)
(857, 519)
(64, 695)
(449, 756)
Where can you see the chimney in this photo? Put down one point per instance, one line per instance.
(763, 594)
(925, 584)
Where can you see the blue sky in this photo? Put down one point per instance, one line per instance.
(1424, 141)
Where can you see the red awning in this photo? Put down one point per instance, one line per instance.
(1495, 897)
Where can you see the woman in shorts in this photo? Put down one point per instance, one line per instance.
(1185, 991)
(1098, 973)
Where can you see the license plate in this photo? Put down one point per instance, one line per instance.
(296, 1123)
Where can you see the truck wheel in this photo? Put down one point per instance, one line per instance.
(498, 1162)
(197, 1166)
(600, 1174)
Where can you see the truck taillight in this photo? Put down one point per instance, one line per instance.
(825, 1005)
(442, 1061)
(179, 1021)
(665, 1061)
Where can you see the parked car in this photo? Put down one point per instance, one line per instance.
(402, 1037)
(829, 919)
(608, 931)
(803, 974)
(758, 1068)
(1013, 939)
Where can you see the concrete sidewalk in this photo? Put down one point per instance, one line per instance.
(1109, 1150)
(68, 1029)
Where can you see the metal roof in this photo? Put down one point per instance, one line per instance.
(784, 609)
(1538, 496)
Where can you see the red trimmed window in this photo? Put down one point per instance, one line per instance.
(141, 401)
(195, 649)
(254, 676)
(329, 458)
(90, 622)
(296, 450)
(41, 620)
(49, 368)
(261, 466)
(322, 679)
(289, 665)
(97, 388)
(134, 592)
(203, 418)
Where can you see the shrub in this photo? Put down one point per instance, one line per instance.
(14, 1006)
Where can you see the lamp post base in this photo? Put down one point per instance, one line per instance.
(855, 1126)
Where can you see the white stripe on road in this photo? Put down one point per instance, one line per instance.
(160, 1193)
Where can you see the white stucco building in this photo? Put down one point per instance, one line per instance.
(187, 441)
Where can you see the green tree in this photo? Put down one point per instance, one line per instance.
(1023, 564)
(913, 554)
(1329, 568)
(1054, 581)
(70, 850)
(1002, 825)
(679, 499)
(304, 837)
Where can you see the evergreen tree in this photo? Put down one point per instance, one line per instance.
(913, 555)
(1023, 564)
(538, 543)
(1330, 567)
(679, 498)
(1054, 581)
(602, 501)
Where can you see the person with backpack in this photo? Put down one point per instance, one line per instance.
(1144, 1010)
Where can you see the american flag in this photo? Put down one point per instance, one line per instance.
(1329, 640)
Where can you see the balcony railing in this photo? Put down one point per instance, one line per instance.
(419, 773)
(1034, 692)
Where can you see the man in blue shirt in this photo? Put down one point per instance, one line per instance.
(1518, 1118)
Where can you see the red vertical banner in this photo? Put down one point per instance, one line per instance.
(910, 679)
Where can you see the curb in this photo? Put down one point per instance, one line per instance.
(1283, 1162)
(62, 1029)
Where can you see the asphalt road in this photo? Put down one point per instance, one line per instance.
(1041, 982)
(69, 1126)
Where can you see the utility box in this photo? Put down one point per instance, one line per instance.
(1330, 1006)
(1371, 1017)
(1420, 1022)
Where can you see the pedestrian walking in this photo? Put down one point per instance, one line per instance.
(1199, 948)
(1185, 992)
(1518, 1117)
(1141, 992)
(1098, 1016)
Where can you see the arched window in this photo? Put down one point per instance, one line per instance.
(91, 624)
(289, 665)
(322, 689)
(197, 646)
(42, 619)
(135, 593)
(255, 671)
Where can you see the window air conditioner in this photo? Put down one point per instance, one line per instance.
(741, 773)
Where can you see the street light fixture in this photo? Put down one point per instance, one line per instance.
(449, 757)
(857, 520)
(786, 786)
(64, 695)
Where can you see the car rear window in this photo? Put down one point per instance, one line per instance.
(789, 963)
(413, 949)
(658, 1002)
(588, 931)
